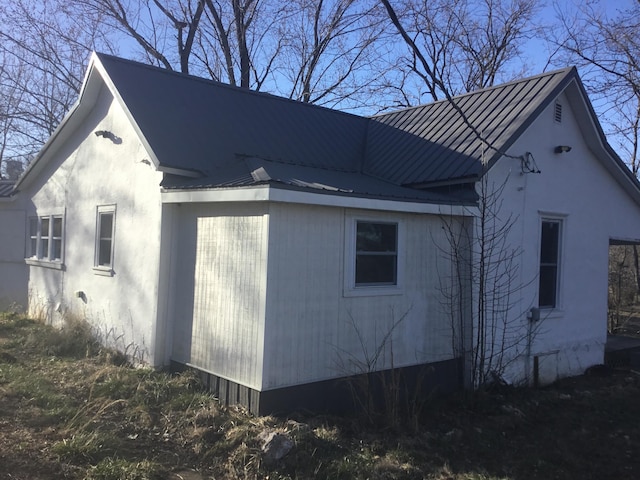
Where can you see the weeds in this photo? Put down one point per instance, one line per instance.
(80, 416)
(119, 469)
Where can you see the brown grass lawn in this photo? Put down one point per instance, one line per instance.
(69, 411)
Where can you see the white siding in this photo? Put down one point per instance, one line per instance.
(315, 332)
(83, 173)
(221, 283)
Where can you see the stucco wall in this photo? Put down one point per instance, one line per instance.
(84, 172)
(576, 188)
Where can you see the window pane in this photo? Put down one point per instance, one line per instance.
(549, 256)
(104, 254)
(376, 237)
(33, 237)
(548, 286)
(549, 242)
(105, 240)
(45, 248)
(57, 226)
(44, 229)
(106, 225)
(56, 249)
(375, 269)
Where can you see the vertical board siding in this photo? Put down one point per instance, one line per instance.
(228, 293)
(304, 281)
(314, 332)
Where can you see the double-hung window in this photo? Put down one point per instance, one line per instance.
(373, 256)
(376, 254)
(46, 235)
(105, 231)
(550, 239)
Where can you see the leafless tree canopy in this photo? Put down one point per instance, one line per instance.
(365, 55)
(457, 46)
(43, 54)
(607, 47)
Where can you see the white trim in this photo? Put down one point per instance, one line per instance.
(34, 262)
(97, 268)
(265, 193)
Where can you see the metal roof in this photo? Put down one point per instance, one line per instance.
(217, 131)
(199, 124)
(252, 171)
(432, 143)
(6, 187)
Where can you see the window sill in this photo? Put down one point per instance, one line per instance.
(550, 313)
(371, 291)
(103, 271)
(36, 262)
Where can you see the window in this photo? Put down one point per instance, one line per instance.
(105, 228)
(549, 263)
(45, 238)
(56, 238)
(376, 254)
(33, 237)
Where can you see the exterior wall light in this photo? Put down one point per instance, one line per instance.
(562, 149)
(106, 134)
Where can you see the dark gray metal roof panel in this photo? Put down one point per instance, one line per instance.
(432, 143)
(193, 123)
(200, 125)
(6, 188)
(257, 171)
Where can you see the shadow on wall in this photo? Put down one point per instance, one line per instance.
(14, 273)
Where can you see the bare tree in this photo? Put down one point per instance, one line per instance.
(481, 293)
(164, 30)
(329, 55)
(44, 50)
(457, 46)
(608, 50)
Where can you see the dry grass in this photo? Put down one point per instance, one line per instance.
(68, 412)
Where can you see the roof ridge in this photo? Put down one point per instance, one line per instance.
(563, 71)
(218, 83)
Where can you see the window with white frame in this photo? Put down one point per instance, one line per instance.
(550, 238)
(105, 229)
(376, 255)
(46, 235)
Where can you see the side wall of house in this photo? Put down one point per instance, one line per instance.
(319, 328)
(575, 189)
(219, 289)
(85, 173)
(13, 271)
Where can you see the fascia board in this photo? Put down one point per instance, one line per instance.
(266, 193)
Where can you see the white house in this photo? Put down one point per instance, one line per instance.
(279, 247)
